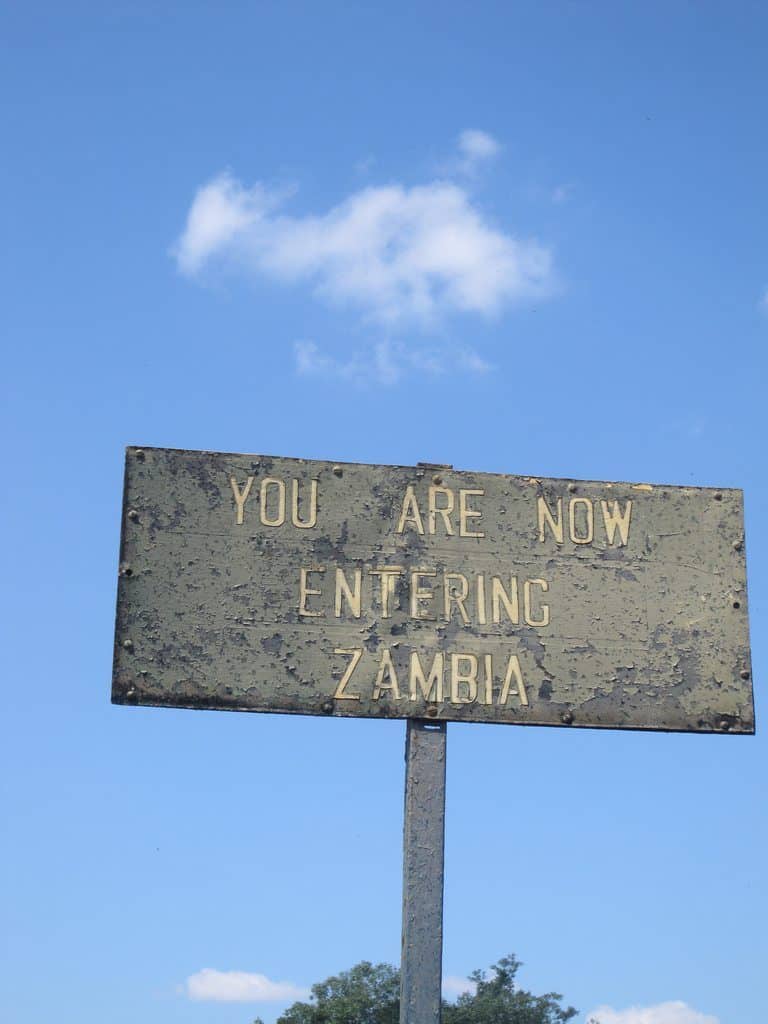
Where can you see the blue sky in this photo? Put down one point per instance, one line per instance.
(523, 238)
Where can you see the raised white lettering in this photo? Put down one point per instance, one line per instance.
(543, 618)
(431, 686)
(354, 654)
(386, 672)
(588, 535)
(306, 591)
(350, 594)
(465, 513)
(461, 676)
(547, 519)
(311, 520)
(240, 497)
(615, 518)
(410, 513)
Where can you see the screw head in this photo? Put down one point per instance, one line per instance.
(572, 488)
(140, 454)
(128, 645)
(126, 570)
(738, 545)
(437, 479)
(567, 718)
(337, 471)
(432, 711)
(327, 707)
(724, 724)
(133, 514)
(718, 496)
(744, 673)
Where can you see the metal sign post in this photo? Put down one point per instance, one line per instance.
(423, 849)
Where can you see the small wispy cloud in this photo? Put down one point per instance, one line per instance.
(376, 366)
(476, 147)
(386, 362)
(210, 985)
(675, 1012)
(454, 986)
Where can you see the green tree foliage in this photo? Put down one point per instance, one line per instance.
(498, 1000)
(369, 994)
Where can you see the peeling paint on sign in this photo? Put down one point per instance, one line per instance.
(255, 583)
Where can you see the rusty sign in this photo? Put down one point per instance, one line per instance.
(255, 583)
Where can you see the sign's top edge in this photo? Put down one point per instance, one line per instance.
(426, 466)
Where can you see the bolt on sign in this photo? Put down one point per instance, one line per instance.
(255, 583)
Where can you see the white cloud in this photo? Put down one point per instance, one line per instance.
(377, 367)
(675, 1012)
(454, 986)
(386, 362)
(477, 146)
(395, 253)
(239, 987)
(469, 360)
(220, 211)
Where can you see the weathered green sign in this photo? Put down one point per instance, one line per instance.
(255, 583)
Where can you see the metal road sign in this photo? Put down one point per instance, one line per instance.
(255, 583)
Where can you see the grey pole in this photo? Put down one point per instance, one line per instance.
(423, 845)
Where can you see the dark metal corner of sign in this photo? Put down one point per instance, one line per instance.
(746, 728)
(123, 695)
